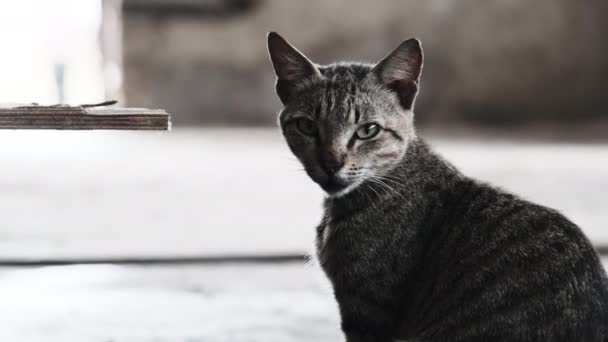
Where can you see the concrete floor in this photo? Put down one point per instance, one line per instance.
(277, 303)
(245, 303)
(208, 192)
(214, 191)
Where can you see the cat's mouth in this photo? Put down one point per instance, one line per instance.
(334, 185)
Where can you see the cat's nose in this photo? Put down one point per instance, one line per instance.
(332, 169)
(332, 165)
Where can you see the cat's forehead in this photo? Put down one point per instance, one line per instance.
(345, 72)
(345, 92)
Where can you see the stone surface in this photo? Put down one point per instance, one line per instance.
(183, 304)
(213, 191)
(208, 191)
(287, 303)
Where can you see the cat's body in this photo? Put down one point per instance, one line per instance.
(415, 250)
(441, 257)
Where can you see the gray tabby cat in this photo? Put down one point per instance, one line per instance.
(414, 249)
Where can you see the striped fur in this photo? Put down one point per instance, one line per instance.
(417, 251)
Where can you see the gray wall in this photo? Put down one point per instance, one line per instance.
(506, 61)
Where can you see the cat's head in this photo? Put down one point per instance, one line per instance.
(347, 123)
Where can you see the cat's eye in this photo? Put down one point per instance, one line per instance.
(306, 126)
(367, 131)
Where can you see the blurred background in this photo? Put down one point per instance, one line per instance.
(200, 234)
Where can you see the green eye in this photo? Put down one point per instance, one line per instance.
(307, 126)
(367, 131)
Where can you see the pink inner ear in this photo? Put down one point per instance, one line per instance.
(399, 68)
(293, 68)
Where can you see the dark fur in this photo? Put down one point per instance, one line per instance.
(459, 261)
(430, 254)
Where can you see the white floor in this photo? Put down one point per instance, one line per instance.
(196, 192)
(192, 192)
(279, 303)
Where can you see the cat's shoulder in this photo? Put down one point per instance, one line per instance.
(514, 212)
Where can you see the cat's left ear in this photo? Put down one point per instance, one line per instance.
(400, 71)
(290, 66)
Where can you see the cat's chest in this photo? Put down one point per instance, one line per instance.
(327, 244)
(323, 234)
(350, 242)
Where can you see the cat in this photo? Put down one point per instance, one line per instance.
(414, 249)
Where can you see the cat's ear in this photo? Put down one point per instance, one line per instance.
(400, 71)
(290, 66)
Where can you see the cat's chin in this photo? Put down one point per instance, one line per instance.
(344, 191)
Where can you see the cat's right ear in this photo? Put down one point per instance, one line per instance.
(290, 66)
(400, 71)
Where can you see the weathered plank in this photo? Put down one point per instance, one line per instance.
(162, 260)
(83, 117)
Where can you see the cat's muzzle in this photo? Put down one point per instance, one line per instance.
(333, 184)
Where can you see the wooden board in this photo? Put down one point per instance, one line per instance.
(83, 117)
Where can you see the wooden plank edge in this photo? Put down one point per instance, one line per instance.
(169, 260)
(87, 122)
